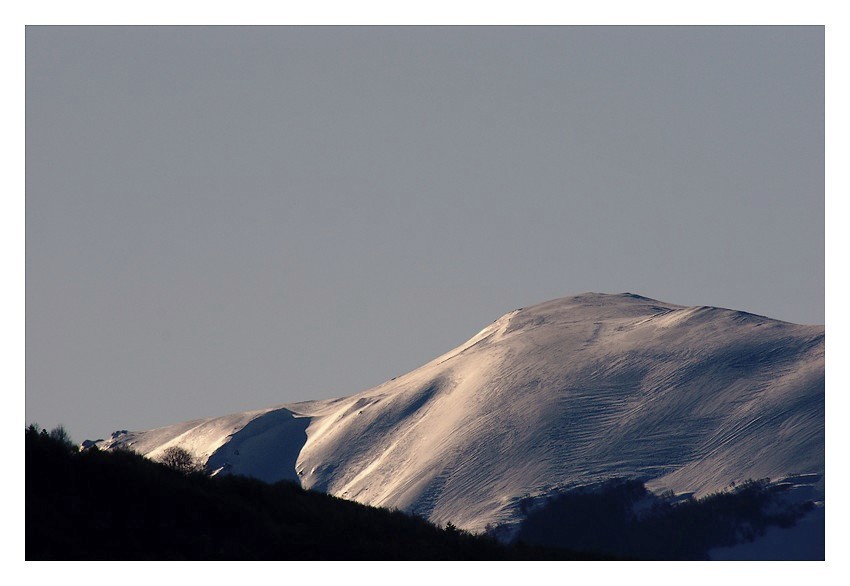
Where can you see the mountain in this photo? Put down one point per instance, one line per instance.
(545, 399)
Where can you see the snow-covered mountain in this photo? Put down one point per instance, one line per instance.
(548, 397)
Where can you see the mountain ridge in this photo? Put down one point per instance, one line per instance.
(548, 397)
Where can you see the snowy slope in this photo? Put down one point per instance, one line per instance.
(552, 396)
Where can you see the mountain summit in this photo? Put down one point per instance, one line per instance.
(559, 395)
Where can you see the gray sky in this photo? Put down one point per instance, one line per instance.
(221, 219)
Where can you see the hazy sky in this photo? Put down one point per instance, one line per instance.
(221, 219)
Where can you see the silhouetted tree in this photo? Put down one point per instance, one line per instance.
(59, 433)
(180, 459)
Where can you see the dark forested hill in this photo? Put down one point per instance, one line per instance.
(97, 505)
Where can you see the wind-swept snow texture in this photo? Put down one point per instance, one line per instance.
(549, 397)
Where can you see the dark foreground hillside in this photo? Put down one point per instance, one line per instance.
(97, 505)
(622, 518)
